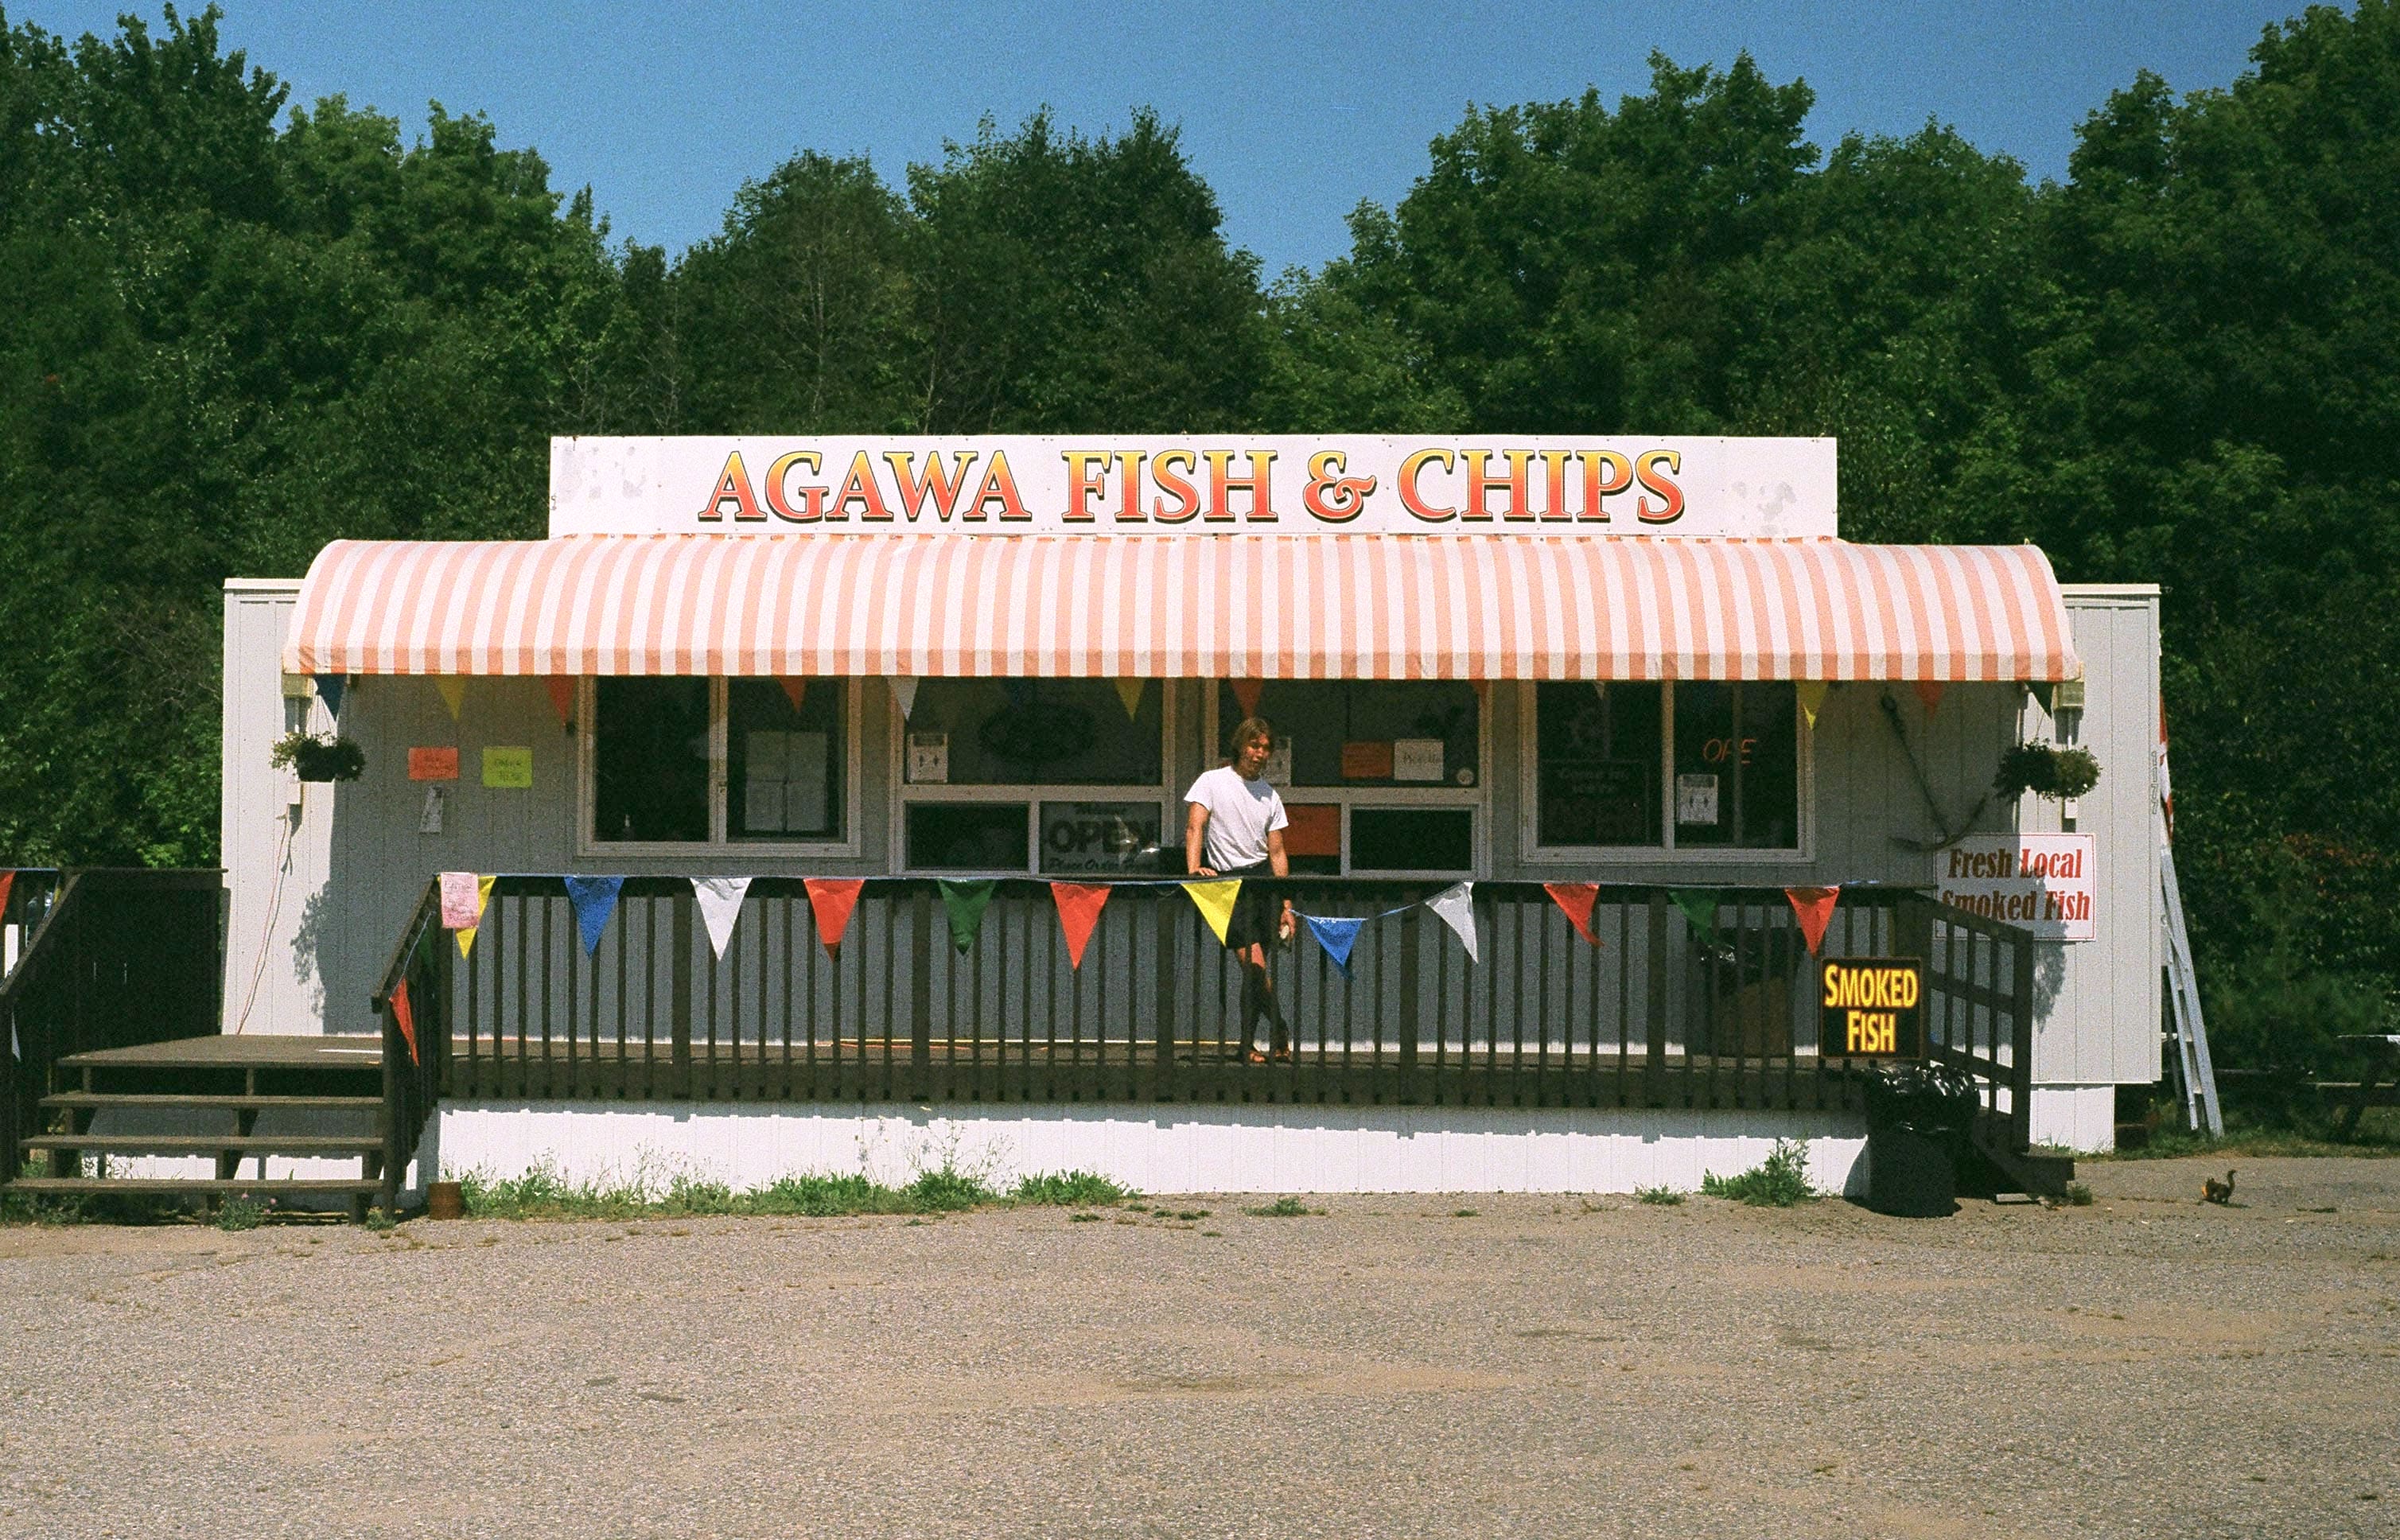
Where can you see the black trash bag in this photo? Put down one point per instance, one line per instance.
(1917, 1117)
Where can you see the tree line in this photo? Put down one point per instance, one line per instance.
(235, 327)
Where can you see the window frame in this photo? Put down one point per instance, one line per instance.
(589, 846)
(904, 792)
(1529, 807)
(1476, 798)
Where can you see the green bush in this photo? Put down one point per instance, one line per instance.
(1777, 1182)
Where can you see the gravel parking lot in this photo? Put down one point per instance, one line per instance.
(1396, 1366)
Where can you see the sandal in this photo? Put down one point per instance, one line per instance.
(1254, 1057)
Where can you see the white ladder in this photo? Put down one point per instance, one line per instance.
(2195, 1076)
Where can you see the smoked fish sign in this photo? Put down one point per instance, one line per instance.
(1871, 1007)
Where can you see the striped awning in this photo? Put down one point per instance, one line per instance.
(1361, 606)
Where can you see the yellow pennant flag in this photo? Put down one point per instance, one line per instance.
(454, 692)
(1216, 902)
(466, 933)
(1130, 691)
(1812, 695)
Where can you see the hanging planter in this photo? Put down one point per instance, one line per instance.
(2046, 771)
(312, 757)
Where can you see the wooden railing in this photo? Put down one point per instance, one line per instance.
(1660, 1012)
(411, 1003)
(121, 957)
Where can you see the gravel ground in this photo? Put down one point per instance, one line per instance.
(2147, 1366)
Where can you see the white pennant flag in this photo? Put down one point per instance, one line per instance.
(720, 904)
(1455, 904)
(904, 691)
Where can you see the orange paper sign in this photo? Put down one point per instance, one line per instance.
(1315, 829)
(1370, 761)
(433, 764)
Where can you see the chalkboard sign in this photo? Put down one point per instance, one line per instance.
(1599, 802)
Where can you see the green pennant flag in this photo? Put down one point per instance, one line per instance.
(1700, 907)
(2044, 692)
(966, 902)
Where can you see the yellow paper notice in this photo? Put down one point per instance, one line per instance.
(1216, 902)
(511, 767)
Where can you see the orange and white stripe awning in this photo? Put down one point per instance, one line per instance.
(1364, 606)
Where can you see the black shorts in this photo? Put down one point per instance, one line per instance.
(1257, 909)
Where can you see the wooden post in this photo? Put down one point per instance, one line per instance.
(1165, 1081)
(1411, 1005)
(2021, 953)
(679, 994)
(921, 999)
(1654, 1013)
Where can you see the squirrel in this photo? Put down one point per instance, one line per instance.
(2212, 1191)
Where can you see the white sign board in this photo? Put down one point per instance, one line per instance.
(2042, 882)
(1178, 484)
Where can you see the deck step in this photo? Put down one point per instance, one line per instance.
(206, 1144)
(89, 1101)
(280, 1187)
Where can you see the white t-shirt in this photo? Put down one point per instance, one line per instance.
(1241, 814)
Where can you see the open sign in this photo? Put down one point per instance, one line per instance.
(1869, 1007)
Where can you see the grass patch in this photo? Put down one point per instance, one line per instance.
(1463, 1213)
(1070, 1188)
(1778, 1181)
(1286, 1207)
(240, 1212)
(1665, 1197)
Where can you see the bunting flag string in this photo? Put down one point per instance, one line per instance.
(1455, 905)
(2044, 693)
(1337, 936)
(595, 899)
(966, 901)
(720, 907)
(796, 691)
(1130, 691)
(404, 1018)
(1815, 909)
(1811, 696)
(1576, 899)
(463, 897)
(1247, 693)
(903, 691)
(1216, 902)
(453, 690)
(831, 899)
(329, 689)
(1079, 911)
(1930, 691)
(562, 698)
(1700, 907)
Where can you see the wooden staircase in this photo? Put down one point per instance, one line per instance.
(229, 1101)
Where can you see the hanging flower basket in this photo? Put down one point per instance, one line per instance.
(317, 758)
(2059, 775)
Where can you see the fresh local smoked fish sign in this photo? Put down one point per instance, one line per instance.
(1134, 484)
(2044, 882)
(1869, 1007)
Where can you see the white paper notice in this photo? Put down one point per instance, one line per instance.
(1416, 758)
(928, 758)
(1696, 800)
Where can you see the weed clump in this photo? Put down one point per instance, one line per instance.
(240, 1212)
(1286, 1207)
(2078, 1195)
(1778, 1181)
(1663, 1196)
(1070, 1188)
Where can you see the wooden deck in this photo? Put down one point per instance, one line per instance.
(258, 1050)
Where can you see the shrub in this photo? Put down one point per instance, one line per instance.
(1777, 1182)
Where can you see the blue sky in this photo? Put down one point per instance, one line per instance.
(1293, 113)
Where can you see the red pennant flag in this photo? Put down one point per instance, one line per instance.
(1576, 899)
(1815, 907)
(8, 880)
(1079, 911)
(796, 689)
(1930, 691)
(403, 1013)
(1246, 692)
(562, 697)
(831, 899)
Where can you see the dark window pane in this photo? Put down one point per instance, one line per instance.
(1736, 766)
(784, 765)
(967, 837)
(649, 740)
(1109, 838)
(1598, 770)
(1397, 733)
(1044, 733)
(1411, 840)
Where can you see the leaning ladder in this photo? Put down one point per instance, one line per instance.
(2195, 1076)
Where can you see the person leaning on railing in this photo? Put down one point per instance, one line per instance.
(1236, 829)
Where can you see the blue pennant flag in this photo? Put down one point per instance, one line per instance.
(329, 689)
(1337, 936)
(595, 899)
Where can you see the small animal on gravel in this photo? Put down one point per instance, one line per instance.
(2212, 1191)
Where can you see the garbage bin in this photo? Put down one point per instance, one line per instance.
(1917, 1116)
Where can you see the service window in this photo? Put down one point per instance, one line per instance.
(654, 747)
(1692, 766)
(967, 837)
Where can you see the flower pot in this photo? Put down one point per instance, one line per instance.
(1912, 1172)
